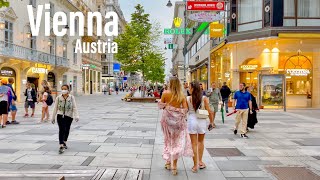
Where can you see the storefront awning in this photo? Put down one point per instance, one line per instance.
(299, 35)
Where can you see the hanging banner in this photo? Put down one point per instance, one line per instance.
(205, 17)
(205, 6)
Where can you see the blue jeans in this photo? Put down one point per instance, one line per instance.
(225, 103)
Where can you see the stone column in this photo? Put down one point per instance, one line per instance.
(315, 79)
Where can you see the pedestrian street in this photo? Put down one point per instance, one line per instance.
(115, 134)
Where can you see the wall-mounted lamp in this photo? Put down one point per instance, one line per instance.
(49, 43)
(24, 81)
(29, 34)
(2, 24)
(60, 82)
(64, 47)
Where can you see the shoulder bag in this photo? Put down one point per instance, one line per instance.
(201, 112)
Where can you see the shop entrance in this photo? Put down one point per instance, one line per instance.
(298, 71)
(249, 72)
(34, 81)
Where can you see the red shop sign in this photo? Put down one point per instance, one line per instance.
(205, 6)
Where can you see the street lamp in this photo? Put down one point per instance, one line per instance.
(169, 4)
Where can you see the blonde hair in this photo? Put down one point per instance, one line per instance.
(176, 90)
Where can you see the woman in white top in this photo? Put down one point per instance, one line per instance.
(45, 107)
(65, 110)
(197, 127)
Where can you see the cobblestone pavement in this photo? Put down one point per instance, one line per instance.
(113, 133)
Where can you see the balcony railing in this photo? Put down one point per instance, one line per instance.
(23, 53)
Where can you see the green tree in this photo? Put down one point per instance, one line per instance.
(4, 3)
(136, 47)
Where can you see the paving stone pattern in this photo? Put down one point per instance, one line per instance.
(116, 134)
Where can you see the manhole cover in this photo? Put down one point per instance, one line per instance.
(223, 152)
(292, 173)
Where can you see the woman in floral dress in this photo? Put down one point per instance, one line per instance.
(177, 142)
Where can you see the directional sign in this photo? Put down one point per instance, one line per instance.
(172, 46)
(205, 6)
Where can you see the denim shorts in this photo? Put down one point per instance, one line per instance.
(13, 108)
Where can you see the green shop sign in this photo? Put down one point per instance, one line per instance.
(178, 31)
(4, 3)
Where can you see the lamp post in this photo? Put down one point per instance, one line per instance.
(169, 4)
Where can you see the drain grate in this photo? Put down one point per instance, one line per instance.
(223, 152)
(292, 173)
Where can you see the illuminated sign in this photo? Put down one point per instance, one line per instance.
(172, 31)
(6, 73)
(248, 67)
(298, 72)
(205, 6)
(39, 70)
(216, 30)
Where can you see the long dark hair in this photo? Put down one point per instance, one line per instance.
(196, 95)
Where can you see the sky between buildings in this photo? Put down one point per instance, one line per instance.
(159, 12)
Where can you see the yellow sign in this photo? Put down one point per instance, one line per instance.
(248, 67)
(216, 30)
(177, 22)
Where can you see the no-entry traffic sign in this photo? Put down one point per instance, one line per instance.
(205, 6)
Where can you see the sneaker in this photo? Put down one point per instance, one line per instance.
(61, 150)
(8, 122)
(14, 122)
(32, 115)
(235, 132)
(26, 115)
(227, 111)
(65, 146)
(244, 136)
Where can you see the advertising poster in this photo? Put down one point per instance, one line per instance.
(271, 87)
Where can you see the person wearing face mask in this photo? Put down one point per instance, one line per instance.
(65, 110)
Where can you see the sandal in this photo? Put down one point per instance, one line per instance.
(26, 115)
(174, 172)
(167, 166)
(194, 169)
(202, 166)
(214, 125)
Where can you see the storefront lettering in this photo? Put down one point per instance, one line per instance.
(248, 67)
(298, 72)
(6, 73)
(39, 70)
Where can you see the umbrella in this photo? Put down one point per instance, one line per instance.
(222, 114)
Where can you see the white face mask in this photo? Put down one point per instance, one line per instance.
(64, 91)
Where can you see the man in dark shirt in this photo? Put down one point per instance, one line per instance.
(12, 105)
(242, 103)
(225, 93)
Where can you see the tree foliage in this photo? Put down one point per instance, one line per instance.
(136, 49)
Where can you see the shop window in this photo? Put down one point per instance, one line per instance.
(8, 33)
(6, 73)
(75, 58)
(289, 8)
(309, 8)
(250, 11)
(65, 50)
(52, 43)
(267, 13)
(64, 79)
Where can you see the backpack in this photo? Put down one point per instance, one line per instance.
(49, 100)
